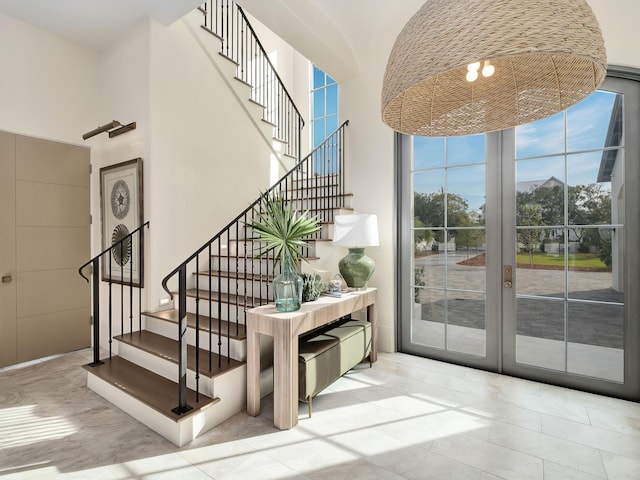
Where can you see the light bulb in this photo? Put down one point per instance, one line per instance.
(488, 69)
(472, 75)
(473, 67)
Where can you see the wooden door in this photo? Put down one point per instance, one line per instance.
(51, 238)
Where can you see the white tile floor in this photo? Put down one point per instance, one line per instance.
(405, 418)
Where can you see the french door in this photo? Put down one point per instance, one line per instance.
(516, 248)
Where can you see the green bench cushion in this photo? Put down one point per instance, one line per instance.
(318, 365)
(323, 358)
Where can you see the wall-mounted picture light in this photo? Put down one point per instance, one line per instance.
(112, 128)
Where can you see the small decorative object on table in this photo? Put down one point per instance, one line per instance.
(283, 231)
(312, 286)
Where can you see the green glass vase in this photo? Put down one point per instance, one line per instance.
(287, 288)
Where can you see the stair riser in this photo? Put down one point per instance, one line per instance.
(236, 248)
(238, 348)
(235, 287)
(178, 433)
(313, 182)
(321, 207)
(227, 311)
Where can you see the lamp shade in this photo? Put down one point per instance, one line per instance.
(357, 230)
(462, 67)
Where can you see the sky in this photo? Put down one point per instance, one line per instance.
(586, 125)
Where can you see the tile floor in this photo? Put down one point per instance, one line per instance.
(405, 418)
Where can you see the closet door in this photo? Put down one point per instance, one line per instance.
(46, 237)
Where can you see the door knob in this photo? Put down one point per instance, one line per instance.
(6, 279)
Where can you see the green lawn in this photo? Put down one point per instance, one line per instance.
(579, 260)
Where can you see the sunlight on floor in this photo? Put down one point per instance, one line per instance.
(20, 426)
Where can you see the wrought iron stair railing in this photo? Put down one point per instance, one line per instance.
(238, 281)
(228, 22)
(131, 248)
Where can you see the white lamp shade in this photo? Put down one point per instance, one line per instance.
(357, 230)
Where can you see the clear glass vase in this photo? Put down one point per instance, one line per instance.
(287, 288)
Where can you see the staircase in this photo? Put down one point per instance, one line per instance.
(183, 370)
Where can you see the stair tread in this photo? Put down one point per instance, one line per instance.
(256, 258)
(238, 275)
(237, 333)
(167, 348)
(150, 388)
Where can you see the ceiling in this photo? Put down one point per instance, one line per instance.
(94, 24)
(332, 33)
(337, 35)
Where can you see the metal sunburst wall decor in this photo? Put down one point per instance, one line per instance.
(121, 252)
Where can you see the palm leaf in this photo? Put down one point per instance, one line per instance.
(281, 230)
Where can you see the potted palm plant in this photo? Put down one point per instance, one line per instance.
(283, 231)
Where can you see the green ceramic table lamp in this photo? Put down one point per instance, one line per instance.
(356, 232)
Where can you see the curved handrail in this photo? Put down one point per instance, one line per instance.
(227, 20)
(145, 224)
(275, 72)
(284, 179)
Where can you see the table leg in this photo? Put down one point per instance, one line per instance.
(253, 371)
(285, 378)
(371, 316)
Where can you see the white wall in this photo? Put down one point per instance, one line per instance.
(203, 159)
(209, 161)
(48, 86)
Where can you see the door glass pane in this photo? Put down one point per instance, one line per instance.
(466, 330)
(466, 266)
(428, 317)
(465, 150)
(428, 201)
(465, 196)
(596, 335)
(589, 122)
(429, 262)
(529, 136)
(540, 333)
(540, 260)
(588, 195)
(428, 152)
(540, 189)
(590, 275)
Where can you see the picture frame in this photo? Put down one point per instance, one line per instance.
(121, 210)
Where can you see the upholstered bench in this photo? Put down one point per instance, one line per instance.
(325, 357)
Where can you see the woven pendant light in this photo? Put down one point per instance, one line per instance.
(545, 55)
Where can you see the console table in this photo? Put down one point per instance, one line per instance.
(285, 328)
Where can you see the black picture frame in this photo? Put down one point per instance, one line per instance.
(121, 210)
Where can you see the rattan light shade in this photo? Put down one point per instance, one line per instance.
(547, 54)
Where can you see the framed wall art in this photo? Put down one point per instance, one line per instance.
(121, 210)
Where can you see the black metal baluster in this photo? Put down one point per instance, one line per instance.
(182, 407)
(210, 302)
(95, 274)
(110, 302)
(131, 288)
(121, 288)
(219, 310)
(197, 328)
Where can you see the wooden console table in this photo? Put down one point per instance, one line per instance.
(285, 329)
